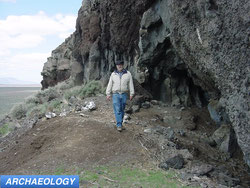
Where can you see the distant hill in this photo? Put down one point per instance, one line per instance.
(20, 85)
(14, 81)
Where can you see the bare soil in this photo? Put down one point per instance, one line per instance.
(71, 140)
(92, 140)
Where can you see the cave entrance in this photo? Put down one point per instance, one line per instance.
(177, 88)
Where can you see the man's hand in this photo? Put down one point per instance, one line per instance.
(108, 97)
(131, 97)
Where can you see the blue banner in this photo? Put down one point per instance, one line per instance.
(29, 181)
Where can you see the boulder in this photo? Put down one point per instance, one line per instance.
(176, 162)
(154, 102)
(50, 115)
(138, 100)
(225, 178)
(147, 130)
(73, 100)
(62, 114)
(213, 108)
(217, 112)
(201, 169)
(129, 110)
(210, 141)
(135, 108)
(167, 132)
(89, 106)
(182, 133)
(145, 105)
(191, 122)
(225, 139)
(126, 117)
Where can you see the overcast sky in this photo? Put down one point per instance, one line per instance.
(29, 31)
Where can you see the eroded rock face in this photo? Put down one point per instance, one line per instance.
(61, 65)
(106, 30)
(182, 52)
(212, 38)
(208, 42)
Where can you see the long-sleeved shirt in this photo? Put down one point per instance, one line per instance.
(120, 82)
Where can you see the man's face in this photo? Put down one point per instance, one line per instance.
(119, 67)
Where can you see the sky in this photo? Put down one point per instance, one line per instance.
(29, 31)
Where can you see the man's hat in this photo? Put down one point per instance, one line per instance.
(119, 62)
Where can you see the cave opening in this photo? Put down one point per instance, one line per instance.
(176, 88)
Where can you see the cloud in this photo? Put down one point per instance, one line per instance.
(26, 42)
(28, 31)
(20, 41)
(24, 66)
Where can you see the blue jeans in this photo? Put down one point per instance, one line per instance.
(119, 103)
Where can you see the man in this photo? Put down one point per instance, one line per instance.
(120, 85)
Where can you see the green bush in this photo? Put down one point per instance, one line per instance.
(103, 90)
(47, 95)
(51, 99)
(30, 105)
(91, 89)
(55, 105)
(19, 111)
(65, 85)
(38, 110)
(32, 100)
(43, 108)
(4, 129)
(72, 92)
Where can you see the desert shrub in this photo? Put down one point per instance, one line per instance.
(43, 108)
(103, 90)
(72, 92)
(32, 100)
(48, 94)
(30, 106)
(38, 110)
(18, 111)
(4, 129)
(65, 85)
(91, 89)
(55, 105)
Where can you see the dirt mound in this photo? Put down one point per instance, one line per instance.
(72, 140)
(83, 141)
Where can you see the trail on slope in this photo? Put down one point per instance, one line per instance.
(72, 141)
(90, 140)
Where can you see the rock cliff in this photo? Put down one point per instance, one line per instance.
(183, 52)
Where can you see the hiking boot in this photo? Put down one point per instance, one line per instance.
(119, 129)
